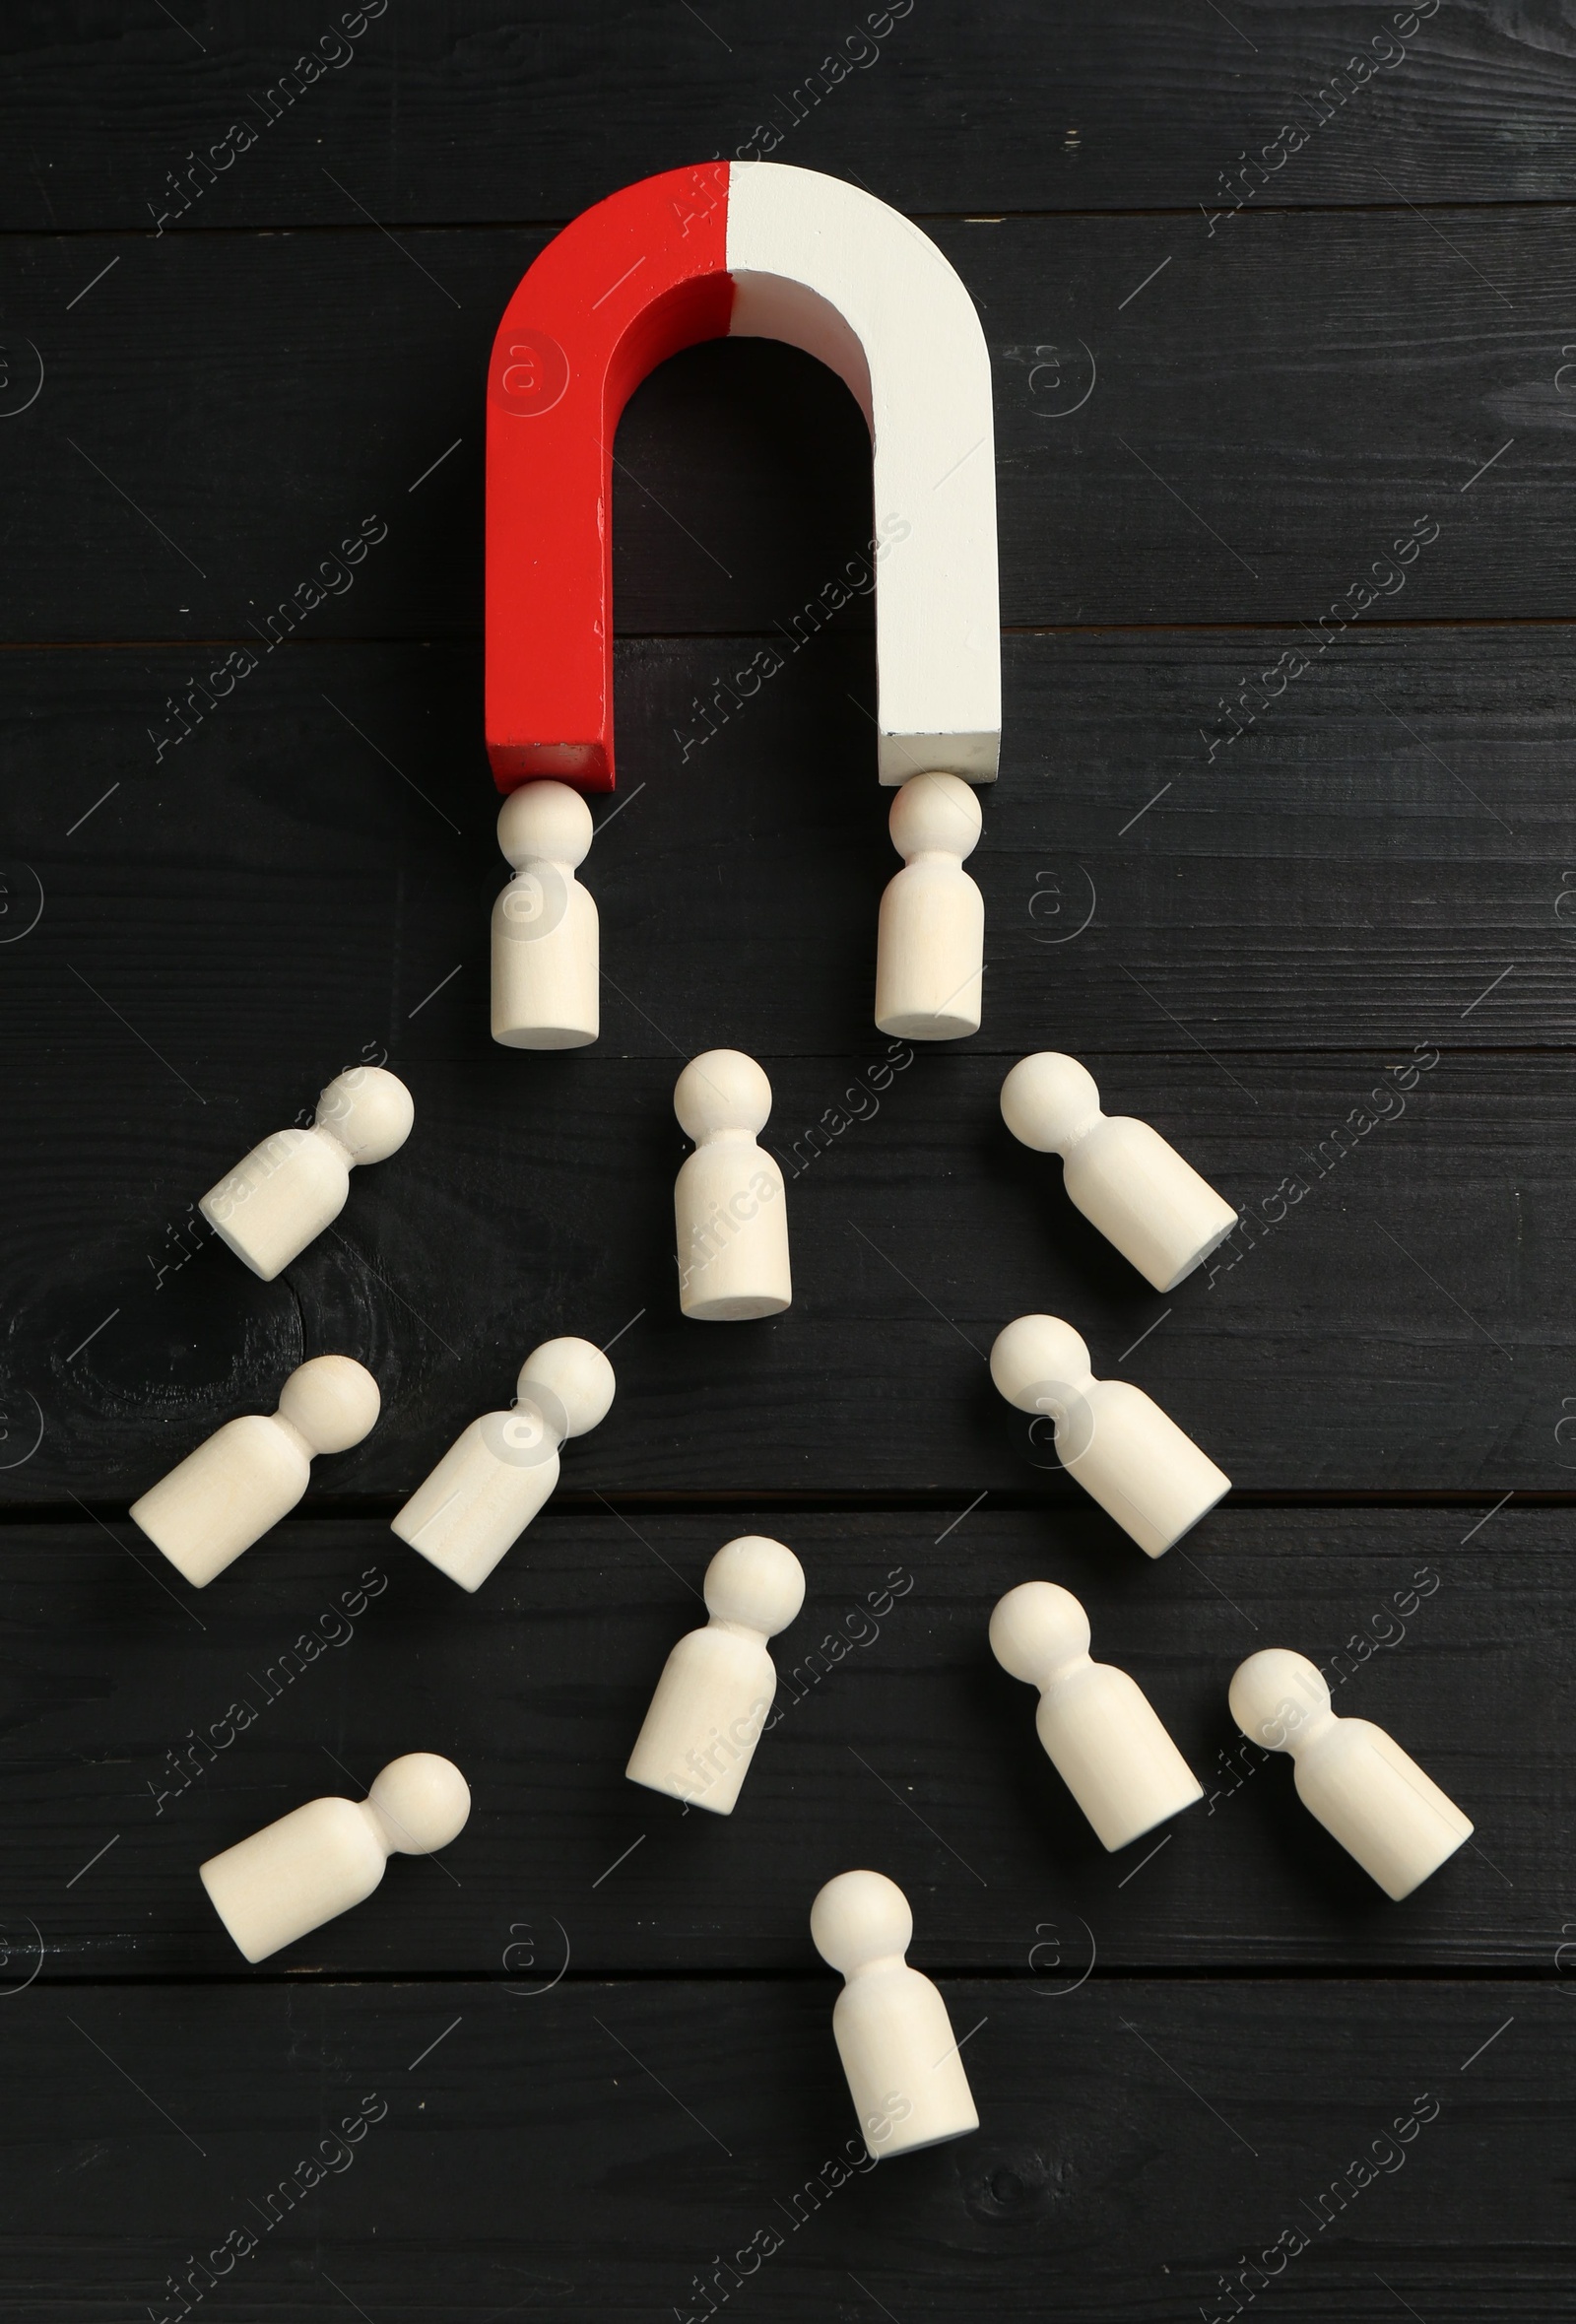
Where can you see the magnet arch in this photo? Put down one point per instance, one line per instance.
(748, 249)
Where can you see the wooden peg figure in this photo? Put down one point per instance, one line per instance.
(1118, 1443)
(497, 1474)
(1362, 1787)
(1121, 1174)
(251, 1472)
(319, 1860)
(546, 947)
(1099, 1730)
(896, 2043)
(930, 940)
(287, 1190)
(730, 1212)
(718, 1684)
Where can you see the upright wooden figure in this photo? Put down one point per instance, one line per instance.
(251, 1473)
(497, 1474)
(286, 1191)
(730, 1212)
(1122, 1448)
(717, 1685)
(894, 2036)
(319, 1860)
(1099, 1731)
(1121, 1174)
(930, 942)
(1362, 1787)
(546, 954)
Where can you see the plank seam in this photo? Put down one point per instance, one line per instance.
(1470, 205)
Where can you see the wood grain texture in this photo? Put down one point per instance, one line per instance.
(1254, 870)
(898, 1741)
(1401, 1324)
(291, 881)
(529, 112)
(589, 2151)
(1188, 430)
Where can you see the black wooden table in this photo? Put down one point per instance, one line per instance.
(1280, 302)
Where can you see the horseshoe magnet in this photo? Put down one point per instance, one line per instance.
(748, 250)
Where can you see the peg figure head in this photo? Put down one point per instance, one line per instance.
(369, 1112)
(1039, 1364)
(570, 1382)
(858, 1918)
(720, 1094)
(756, 1582)
(421, 1802)
(1276, 1695)
(935, 815)
(1050, 1102)
(1037, 1630)
(332, 1401)
(545, 823)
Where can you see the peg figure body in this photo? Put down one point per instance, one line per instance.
(894, 2036)
(251, 1472)
(1362, 1787)
(718, 1684)
(546, 943)
(319, 1860)
(501, 1469)
(1099, 1730)
(1121, 1174)
(286, 1191)
(730, 1210)
(930, 940)
(1122, 1449)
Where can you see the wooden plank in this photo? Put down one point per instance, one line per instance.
(1188, 430)
(532, 111)
(1136, 2141)
(129, 1755)
(1400, 1324)
(293, 881)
